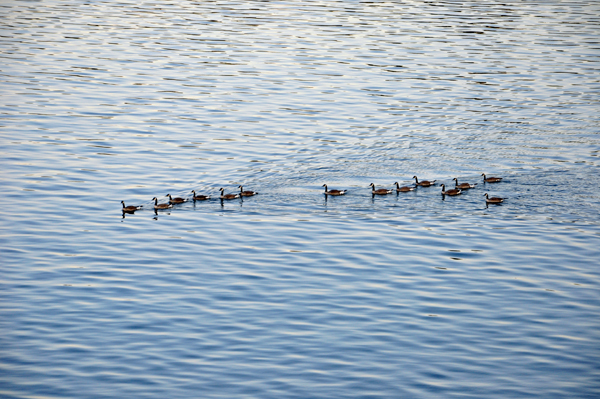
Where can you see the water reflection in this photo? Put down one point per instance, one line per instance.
(286, 292)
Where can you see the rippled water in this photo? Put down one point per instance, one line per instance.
(290, 293)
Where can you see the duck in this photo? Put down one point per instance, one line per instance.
(424, 183)
(491, 179)
(463, 186)
(493, 200)
(451, 192)
(176, 200)
(227, 196)
(334, 192)
(404, 189)
(196, 197)
(246, 193)
(161, 206)
(130, 208)
(381, 191)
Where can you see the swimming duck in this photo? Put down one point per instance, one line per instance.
(246, 193)
(491, 179)
(493, 200)
(196, 197)
(463, 186)
(228, 196)
(334, 192)
(130, 208)
(451, 192)
(381, 191)
(161, 206)
(424, 183)
(403, 189)
(176, 200)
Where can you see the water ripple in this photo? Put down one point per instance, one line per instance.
(290, 293)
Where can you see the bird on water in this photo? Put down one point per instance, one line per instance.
(158, 206)
(493, 200)
(176, 200)
(130, 208)
(403, 189)
(227, 196)
(491, 179)
(463, 186)
(424, 183)
(246, 193)
(451, 192)
(199, 197)
(381, 191)
(334, 192)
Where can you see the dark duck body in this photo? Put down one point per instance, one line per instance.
(197, 197)
(463, 186)
(381, 191)
(176, 200)
(246, 193)
(227, 196)
(334, 192)
(130, 208)
(452, 192)
(491, 179)
(403, 189)
(424, 183)
(493, 200)
(158, 206)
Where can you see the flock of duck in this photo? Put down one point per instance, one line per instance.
(457, 190)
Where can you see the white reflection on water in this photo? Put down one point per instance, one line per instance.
(290, 293)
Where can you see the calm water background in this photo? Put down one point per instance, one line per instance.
(290, 294)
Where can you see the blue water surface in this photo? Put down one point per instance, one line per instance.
(291, 293)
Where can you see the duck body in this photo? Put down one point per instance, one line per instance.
(424, 183)
(491, 179)
(452, 192)
(381, 191)
(130, 208)
(404, 189)
(463, 186)
(158, 206)
(246, 193)
(493, 200)
(227, 196)
(176, 200)
(197, 197)
(334, 192)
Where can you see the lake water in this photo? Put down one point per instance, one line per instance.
(292, 294)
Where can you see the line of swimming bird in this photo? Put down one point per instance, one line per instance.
(457, 190)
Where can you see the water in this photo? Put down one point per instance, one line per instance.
(289, 293)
